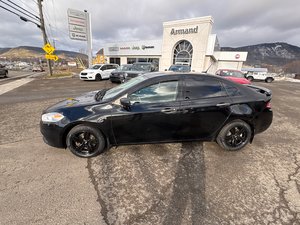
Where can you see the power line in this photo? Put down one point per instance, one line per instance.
(20, 11)
(24, 9)
(34, 10)
(20, 16)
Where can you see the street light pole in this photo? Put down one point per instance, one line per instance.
(44, 32)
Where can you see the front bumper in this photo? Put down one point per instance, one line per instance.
(87, 77)
(53, 135)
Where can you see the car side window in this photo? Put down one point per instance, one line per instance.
(159, 92)
(104, 67)
(198, 87)
(232, 91)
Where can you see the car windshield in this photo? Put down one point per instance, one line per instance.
(179, 68)
(141, 67)
(95, 67)
(124, 68)
(111, 93)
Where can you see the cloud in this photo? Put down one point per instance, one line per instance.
(237, 23)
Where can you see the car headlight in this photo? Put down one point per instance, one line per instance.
(52, 117)
(125, 75)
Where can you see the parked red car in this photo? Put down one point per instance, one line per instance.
(233, 75)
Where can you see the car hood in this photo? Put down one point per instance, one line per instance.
(238, 80)
(88, 70)
(86, 99)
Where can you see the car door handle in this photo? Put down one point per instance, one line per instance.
(168, 110)
(223, 104)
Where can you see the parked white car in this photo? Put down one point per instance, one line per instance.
(260, 76)
(98, 72)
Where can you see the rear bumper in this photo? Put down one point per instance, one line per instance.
(264, 121)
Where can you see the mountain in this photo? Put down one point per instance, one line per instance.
(29, 52)
(276, 54)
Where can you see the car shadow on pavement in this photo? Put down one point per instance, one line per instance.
(188, 198)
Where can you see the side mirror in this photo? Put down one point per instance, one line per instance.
(125, 102)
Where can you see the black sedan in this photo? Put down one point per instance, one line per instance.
(158, 108)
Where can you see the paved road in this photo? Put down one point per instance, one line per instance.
(189, 183)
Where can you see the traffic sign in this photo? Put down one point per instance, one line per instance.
(48, 48)
(51, 57)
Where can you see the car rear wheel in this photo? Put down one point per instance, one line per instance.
(234, 135)
(250, 78)
(269, 80)
(85, 141)
(98, 77)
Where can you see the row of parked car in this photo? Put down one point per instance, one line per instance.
(119, 74)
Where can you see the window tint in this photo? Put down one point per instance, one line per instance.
(232, 91)
(198, 87)
(160, 92)
(104, 67)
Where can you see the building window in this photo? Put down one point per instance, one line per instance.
(152, 60)
(183, 53)
(114, 61)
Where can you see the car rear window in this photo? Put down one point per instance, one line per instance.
(198, 87)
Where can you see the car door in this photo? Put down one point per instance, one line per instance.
(205, 108)
(152, 116)
(103, 71)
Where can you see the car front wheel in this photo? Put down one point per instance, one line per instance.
(234, 135)
(85, 141)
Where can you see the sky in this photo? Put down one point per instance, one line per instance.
(236, 22)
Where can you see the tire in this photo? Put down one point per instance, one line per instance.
(85, 141)
(98, 77)
(250, 78)
(234, 135)
(5, 76)
(269, 79)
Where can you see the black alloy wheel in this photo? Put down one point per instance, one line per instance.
(250, 78)
(98, 77)
(234, 135)
(85, 141)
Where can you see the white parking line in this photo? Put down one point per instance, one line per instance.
(14, 84)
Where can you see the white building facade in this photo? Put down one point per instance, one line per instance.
(187, 42)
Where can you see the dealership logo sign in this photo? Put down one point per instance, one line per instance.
(146, 47)
(184, 31)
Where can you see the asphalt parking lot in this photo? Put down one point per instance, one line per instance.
(185, 183)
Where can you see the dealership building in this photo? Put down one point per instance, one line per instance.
(187, 42)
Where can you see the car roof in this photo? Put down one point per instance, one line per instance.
(171, 73)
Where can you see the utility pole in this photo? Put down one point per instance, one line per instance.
(44, 32)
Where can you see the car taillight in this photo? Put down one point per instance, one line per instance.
(268, 105)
